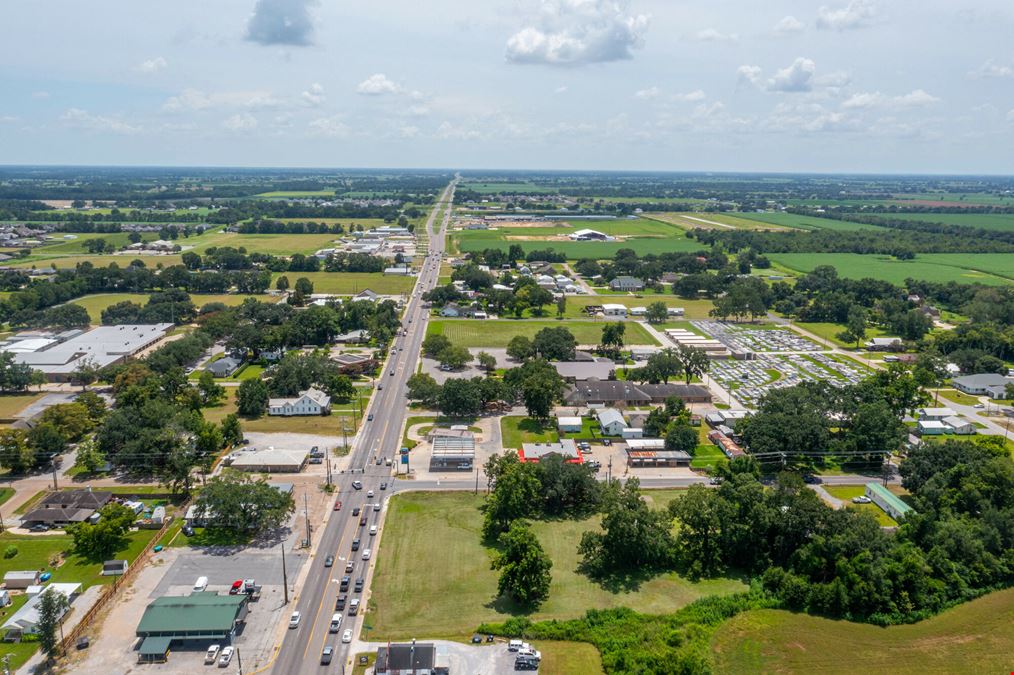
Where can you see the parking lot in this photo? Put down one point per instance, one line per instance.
(740, 337)
(484, 659)
(749, 381)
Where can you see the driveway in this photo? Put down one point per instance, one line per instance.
(485, 659)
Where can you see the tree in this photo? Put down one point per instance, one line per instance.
(633, 537)
(519, 348)
(47, 441)
(89, 457)
(282, 283)
(657, 312)
(514, 496)
(72, 420)
(612, 337)
(555, 344)
(561, 306)
(85, 373)
(252, 398)
(662, 365)
(540, 392)
(14, 376)
(191, 260)
(15, 453)
(693, 362)
(524, 566)
(855, 326)
(237, 501)
(304, 286)
(340, 387)
(460, 398)
(681, 437)
(100, 541)
(52, 606)
(434, 345)
(94, 405)
(700, 517)
(211, 391)
(454, 357)
(487, 362)
(424, 389)
(232, 431)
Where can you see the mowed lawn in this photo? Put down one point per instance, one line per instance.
(847, 492)
(12, 404)
(472, 333)
(324, 425)
(350, 283)
(516, 430)
(986, 268)
(974, 637)
(100, 301)
(69, 262)
(270, 244)
(989, 221)
(795, 220)
(433, 575)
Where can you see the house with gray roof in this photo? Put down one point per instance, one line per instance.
(224, 367)
(983, 384)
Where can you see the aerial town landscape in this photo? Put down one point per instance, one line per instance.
(630, 412)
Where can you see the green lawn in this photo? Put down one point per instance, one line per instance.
(806, 222)
(472, 333)
(693, 221)
(974, 637)
(325, 425)
(706, 456)
(350, 283)
(829, 331)
(5, 494)
(69, 262)
(76, 246)
(517, 430)
(433, 576)
(100, 301)
(847, 492)
(12, 404)
(986, 268)
(955, 396)
(989, 221)
(568, 658)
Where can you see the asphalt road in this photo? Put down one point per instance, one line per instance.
(301, 649)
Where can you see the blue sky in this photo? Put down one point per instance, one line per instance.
(725, 85)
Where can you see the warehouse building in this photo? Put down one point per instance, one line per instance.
(205, 617)
(270, 460)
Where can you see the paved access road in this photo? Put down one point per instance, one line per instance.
(301, 649)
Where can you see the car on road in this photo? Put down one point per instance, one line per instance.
(336, 622)
(226, 656)
(354, 607)
(338, 505)
(339, 604)
(369, 494)
(326, 655)
(328, 561)
(343, 585)
(810, 479)
(347, 636)
(349, 566)
(294, 620)
(862, 499)
(355, 544)
(979, 405)
(360, 582)
(606, 442)
(379, 460)
(188, 531)
(392, 373)
(373, 530)
(212, 655)
(236, 586)
(380, 387)
(39, 527)
(356, 485)
(376, 506)
(355, 511)
(383, 486)
(362, 520)
(366, 554)
(369, 418)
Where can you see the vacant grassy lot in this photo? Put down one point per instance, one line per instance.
(975, 637)
(100, 301)
(350, 283)
(568, 658)
(69, 262)
(801, 222)
(471, 333)
(988, 221)
(517, 430)
(706, 456)
(12, 404)
(847, 492)
(271, 244)
(433, 577)
(960, 397)
(574, 250)
(829, 331)
(985, 268)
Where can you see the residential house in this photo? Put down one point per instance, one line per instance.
(626, 283)
(26, 620)
(310, 402)
(224, 367)
(883, 343)
(366, 294)
(65, 507)
(611, 422)
(936, 414)
(353, 337)
(931, 428)
(959, 425)
(569, 425)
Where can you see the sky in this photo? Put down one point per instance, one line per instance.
(867, 86)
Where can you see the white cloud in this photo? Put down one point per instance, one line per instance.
(856, 14)
(332, 127)
(809, 118)
(40, 95)
(240, 122)
(8, 119)
(795, 78)
(313, 96)
(833, 80)
(378, 85)
(789, 25)
(76, 118)
(561, 89)
(408, 131)
(152, 65)
(695, 95)
(195, 99)
(714, 35)
(647, 94)
(578, 32)
(1010, 115)
(449, 131)
(418, 110)
(914, 99)
(751, 74)
(281, 22)
(992, 69)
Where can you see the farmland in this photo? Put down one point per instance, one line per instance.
(801, 222)
(477, 241)
(350, 283)
(69, 262)
(471, 333)
(711, 221)
(989, 221)
(986, 268)
(972, 637)
(455, 590)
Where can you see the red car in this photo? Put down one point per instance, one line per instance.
(237, 586)
(338, 505)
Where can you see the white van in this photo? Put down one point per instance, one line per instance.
(336, 622)
(201, 584)
(514, 645)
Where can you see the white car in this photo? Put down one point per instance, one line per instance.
(212, 655)
(861, 499)
(373, 530)
(366, 554)
(294, 620)
(347, 636)
(369, 494)
(226, 657)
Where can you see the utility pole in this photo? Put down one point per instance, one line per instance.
(476, 477)
(609, 474)
(55, 486)
(285, 576)
(306, 512)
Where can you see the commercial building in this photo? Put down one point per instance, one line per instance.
(983, 384)
(577, 371)
(270, 460)
(620, 394)
(452, 451)
(309, 402)
(883, 343)
(66, 507)
(207, 617)
(411, 658)
(651, 452)
(614, 309)
(589, 235)
(58, 355)
(566, 448)
(887, 500)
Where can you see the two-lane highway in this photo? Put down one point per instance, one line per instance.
(379, 438)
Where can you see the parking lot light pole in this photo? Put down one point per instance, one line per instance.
(285, 576)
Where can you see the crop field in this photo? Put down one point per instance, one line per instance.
(296, 194)
(520, 187)
(711, 221)
(956, 198)
(575, 250)
(69, 262)
(986, 268)
(455, 589)
(989, 221)
(350, 283)
(795, 220)
(974, 637)
(98, 302)
(270, 244)
(472, 333)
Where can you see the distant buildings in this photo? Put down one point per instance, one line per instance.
(620, 394)
(589, 235)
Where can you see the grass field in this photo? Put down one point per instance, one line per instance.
(434, 577)
(847, 492)
(76, 246)
(797, 221)
(296, 194)
(975, 637)
(517, 430)
(959, 397)
(471, 333)
(350, 283)
(706, 456)
(69, 262)
(478, 240)
(829, 331)
(520, 187)
(98, 302)
(989, 221)
(712, 221)
(324, 425)
(271, 244)
(12, 404)
(985, 268)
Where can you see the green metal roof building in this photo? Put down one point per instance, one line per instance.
(887, 500)
(199, 616)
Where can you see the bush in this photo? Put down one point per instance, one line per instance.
(10, 551)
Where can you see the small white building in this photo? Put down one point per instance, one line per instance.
(932, 428)
(638, 311)
(309, 402)
(936, 414)
(25, 621)
(883, 343)
(674, 311)
(611, 422)
(959, 425)
(612, 309)
(569, 425)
